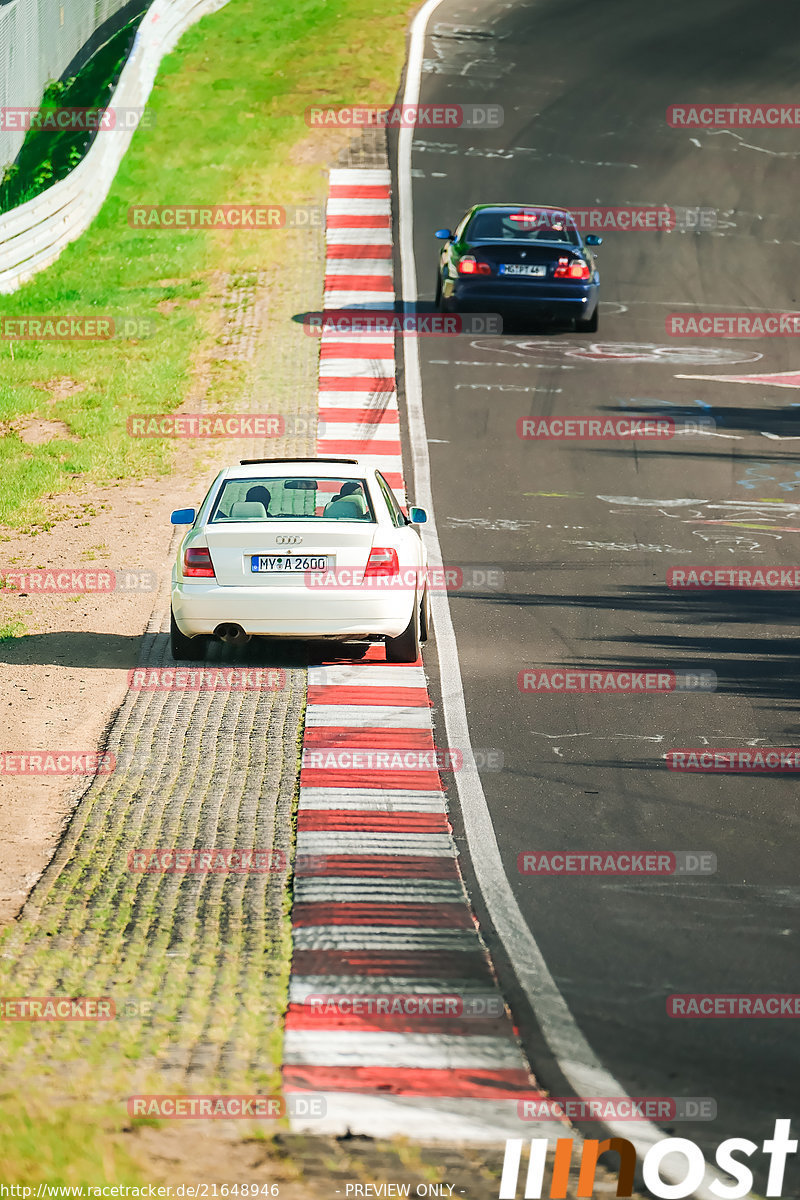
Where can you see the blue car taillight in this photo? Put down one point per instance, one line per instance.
(469, 265)
(571, 268)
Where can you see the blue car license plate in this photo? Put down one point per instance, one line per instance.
(534, 269)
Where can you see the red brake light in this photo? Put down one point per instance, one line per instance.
(574, 268)
(382, 561)
(197, 563)
(470, 266)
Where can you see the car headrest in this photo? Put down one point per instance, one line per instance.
(348, 506)
(248, 510)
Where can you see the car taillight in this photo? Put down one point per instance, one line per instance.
(197, 563)
(470, 266)
(382, 561)
(571, 268)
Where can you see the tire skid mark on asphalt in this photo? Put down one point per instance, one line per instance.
(380, 907)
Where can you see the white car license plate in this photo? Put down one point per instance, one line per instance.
(283, 563)
(522, 269)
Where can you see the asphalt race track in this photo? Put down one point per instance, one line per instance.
(584, 532)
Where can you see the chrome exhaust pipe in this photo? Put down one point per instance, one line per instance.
(234, 635)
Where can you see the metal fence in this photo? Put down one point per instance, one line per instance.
(33, 235)
(43, 40)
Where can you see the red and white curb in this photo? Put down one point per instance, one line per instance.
(357, 393)
(380, 909)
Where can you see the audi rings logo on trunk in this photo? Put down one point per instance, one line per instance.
(288, 541)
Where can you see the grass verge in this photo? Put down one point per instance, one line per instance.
(229, 127)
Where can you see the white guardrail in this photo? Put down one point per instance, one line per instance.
(33, 235)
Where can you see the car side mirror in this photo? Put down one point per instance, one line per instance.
(443, 234)
(593, 240)
(417, 516)
(183, 516)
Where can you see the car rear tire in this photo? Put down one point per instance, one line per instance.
(589, 326)
(405, 648)
(442, 303)
(183, 647)
(425, 617)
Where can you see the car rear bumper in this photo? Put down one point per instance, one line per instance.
(291, 612)
(563, 301)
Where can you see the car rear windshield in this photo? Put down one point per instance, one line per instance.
(525, 225)
(296, 498)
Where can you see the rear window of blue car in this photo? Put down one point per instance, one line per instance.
(523, 225)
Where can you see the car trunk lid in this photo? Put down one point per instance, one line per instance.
(234, 545)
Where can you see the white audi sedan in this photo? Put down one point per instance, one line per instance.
(300, 548)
